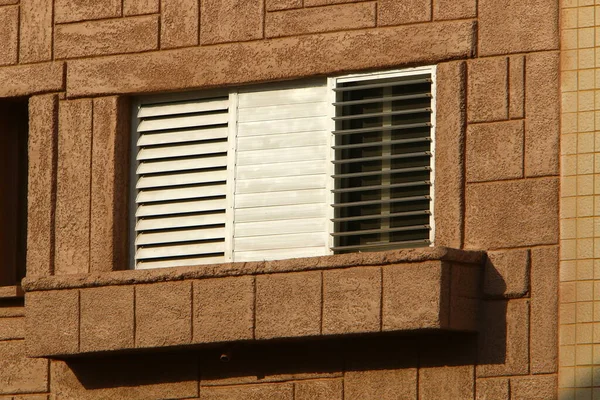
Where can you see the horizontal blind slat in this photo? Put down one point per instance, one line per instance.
(194, 121)
(170, 222)
(182, 107)
(179, 250)
(176, 179)
(295, 168)
(180, 193)
(287, 241)
(270, 185)
(156, 153)
(179, 262)
(154, 167)
(281, 198)
(269, 156)
(282, 141)
(383, 85)
(261, 228)
(285, 212)
(182, 136)
(181, 235)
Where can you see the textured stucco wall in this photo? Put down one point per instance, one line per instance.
(498, 126)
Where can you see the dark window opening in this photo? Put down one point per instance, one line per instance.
(13, 190)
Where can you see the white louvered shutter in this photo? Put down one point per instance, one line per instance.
(383, 161)
(181, 182)
(282, 169)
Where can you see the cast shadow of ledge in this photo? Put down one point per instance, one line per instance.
(272, 361)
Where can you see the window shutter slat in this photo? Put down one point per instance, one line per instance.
(156, 167)
(182, 107)
(182, 136)
(178, 122)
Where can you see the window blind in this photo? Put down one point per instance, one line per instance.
(383, 158)
(181, 182)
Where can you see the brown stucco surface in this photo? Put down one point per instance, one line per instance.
(446, 322)
(433, 295)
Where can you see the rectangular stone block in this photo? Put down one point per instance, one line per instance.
(544, 310)
(495, 151)
(288, 305)
(488, 94)
(384, 384)
(9, 32)
(72, 230)
(110, 177)
(139, 7)
(77, 10)
(319, 360)
(25, 80)
(322, 54)
(12, 311)
(542, 100)
(450, 148)
(267, 391)
(493, 389)
(277, 5)
(454, 9)
(508, 26)
(507, 274)
(223, 309)
(516, 93)
(329, 389)
(534, 388)
(163, 314)
(179, 23)
(464, 297)
(32, 397)
(316, 3)
(512, 214)
(12, 328)
(393, 12)
(106, 318)
(19, 373)
(351, 301)
(450, 383)
(129, 377)
(115, 36)
(35, 39)
(42, 156)
(504, 338)
(322, 19)
(231, 21)
(415, 296)
(52, 323)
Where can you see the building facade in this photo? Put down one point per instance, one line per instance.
(479, 199)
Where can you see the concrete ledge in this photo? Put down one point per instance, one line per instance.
(33, 284)
(396, 291)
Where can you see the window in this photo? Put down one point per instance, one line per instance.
(13, 189)
(284, 170)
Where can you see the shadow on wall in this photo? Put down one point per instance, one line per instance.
(282, 360)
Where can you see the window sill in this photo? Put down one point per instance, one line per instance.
(395, 291)
(11, 292)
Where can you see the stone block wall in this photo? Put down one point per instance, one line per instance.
(80, 61)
